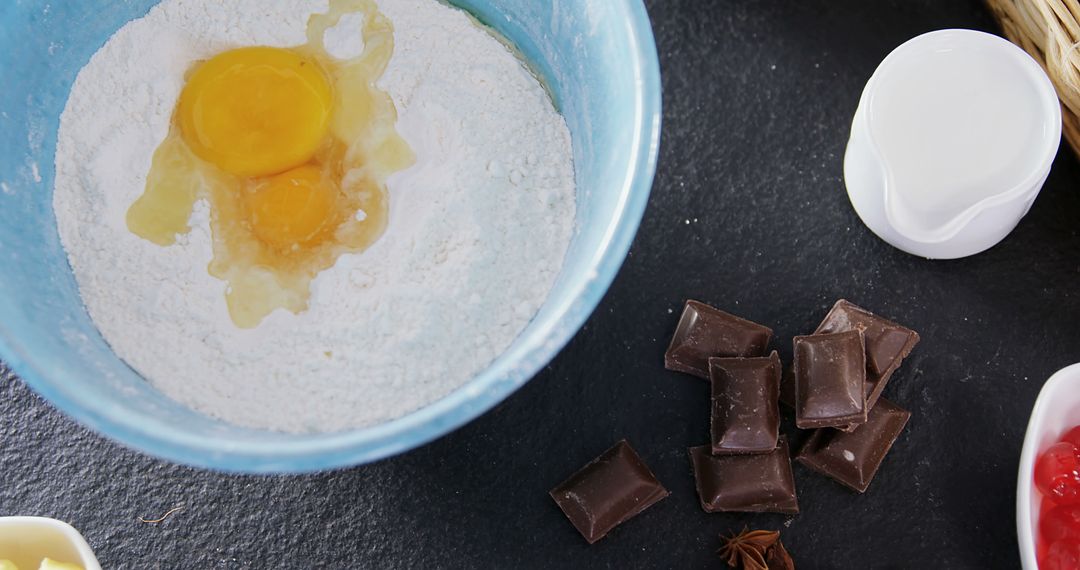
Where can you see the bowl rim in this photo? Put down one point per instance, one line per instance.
(1025, 487)
(319, 452)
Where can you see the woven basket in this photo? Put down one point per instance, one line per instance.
(1050, 31)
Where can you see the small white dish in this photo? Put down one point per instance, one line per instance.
(27, 540)
(952, 141)
(1056, 411)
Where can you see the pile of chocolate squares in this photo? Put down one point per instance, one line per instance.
(834, 386)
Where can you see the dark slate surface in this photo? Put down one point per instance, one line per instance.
(749, 213)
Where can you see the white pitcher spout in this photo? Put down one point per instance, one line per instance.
(962, 128)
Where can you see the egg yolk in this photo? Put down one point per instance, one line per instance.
(256, 111)
(293, 208)
(291, 148)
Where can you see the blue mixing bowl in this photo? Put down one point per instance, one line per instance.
(600, 60)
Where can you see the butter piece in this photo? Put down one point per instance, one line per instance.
(49, 564)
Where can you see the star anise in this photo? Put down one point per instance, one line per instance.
(748, 548)
(777, 557)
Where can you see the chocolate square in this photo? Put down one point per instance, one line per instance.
(745, 483)
(787, 387)
(887, 343)
(705, 332)
(610, 490)
(854, 458)
(830, 371)
(745, 413)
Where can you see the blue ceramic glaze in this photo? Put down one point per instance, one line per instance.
(598, 57)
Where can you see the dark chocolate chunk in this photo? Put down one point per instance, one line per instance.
(787, 387)
(787, 394)
(887, 343)
(745, 483)
(745, 414)
(830, 371)
(610, 490)
(705, 332)
(853, 458)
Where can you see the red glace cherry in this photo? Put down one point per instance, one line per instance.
(1062, 555)
(1072, 436)
(1057, 473)
(1061, 523)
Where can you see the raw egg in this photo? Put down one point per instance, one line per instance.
(256, 111)
(291, 148)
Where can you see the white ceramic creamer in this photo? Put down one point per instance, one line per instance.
(953, 138)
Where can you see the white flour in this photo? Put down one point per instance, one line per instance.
(477, 234)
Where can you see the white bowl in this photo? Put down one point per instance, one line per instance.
(1056, 411)
(27, 540)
